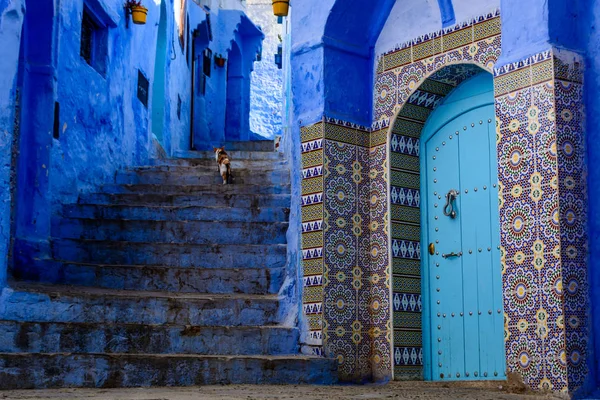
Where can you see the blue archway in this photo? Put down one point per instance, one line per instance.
(39, 114)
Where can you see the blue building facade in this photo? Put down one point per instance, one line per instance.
(368, 86)
(367, 80)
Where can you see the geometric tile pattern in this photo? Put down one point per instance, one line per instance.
(356, 312)
(411, 81)
(312, 231)
(402, 71)
(540, 142)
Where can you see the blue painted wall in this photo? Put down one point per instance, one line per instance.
(591, 43)
(266, 96)
(101, 125)
(210, 127)
(11, 20)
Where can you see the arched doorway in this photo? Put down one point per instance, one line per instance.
(158, 86)
(235, 82)
(447, 284)
(38, 114)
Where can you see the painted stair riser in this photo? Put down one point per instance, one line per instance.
(27, 337)
(210, 163)
(167, 279)
(172, 178)
(185, 256)
(234, 154)
(271, 214)
(186, 171)
(192, 232)
(200, 190)
(211, 167)
(110, 371)
(129, 308)
(224, 200)
(252, 145)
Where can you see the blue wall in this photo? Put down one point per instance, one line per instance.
(11, 20)
(591, 20)
(101, 125)
(266, 96)
(210, 128)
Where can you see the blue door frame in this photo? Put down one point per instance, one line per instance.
(463, 328)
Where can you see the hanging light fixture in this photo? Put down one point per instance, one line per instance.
(281, 7)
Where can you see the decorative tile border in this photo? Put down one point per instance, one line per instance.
(401, 71)
(539, 118)
(312, 231)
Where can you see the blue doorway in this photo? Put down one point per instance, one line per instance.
(463, 320)
(158, 86)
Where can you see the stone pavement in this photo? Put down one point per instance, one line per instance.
(394, 390)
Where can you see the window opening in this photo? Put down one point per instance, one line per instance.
(94, 43)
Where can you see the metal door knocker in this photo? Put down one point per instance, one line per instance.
(449, 207)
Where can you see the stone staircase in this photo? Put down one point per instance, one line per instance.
(166, 278)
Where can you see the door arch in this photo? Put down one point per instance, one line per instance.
(448, 95)
(235, 82)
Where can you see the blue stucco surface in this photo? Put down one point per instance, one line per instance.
(267, 80)
(11, 19)
(591, 44)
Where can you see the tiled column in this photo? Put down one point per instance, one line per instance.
(539, 113)
(312, 232)
(344, 242)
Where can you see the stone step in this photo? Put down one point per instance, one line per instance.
(155, 278)
(174, 213)
(176, 255)
(202, 177)
(32, 302)
(235, 155)
(250, 145)
(127, 370)
(166, 199)
(211, 163)
(202, 170)
(52, 337)
(184, 232)
(211, 189)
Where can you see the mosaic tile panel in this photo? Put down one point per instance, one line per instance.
(312, 231)
(540, 140)
(401, 71)
(356, 292)
(570, 149)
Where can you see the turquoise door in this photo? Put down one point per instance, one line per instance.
(464, 323)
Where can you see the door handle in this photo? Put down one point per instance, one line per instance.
(453, 254)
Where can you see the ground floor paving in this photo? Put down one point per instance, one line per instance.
(395, 390)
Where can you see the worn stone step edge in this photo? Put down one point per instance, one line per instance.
(41, 337)
(56, 303)
(154, 278)
(181, 255)
(126, 370)
(165, 199)
(175, 213)
(236, 154)
(234, 190)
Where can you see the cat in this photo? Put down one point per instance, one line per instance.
(224, 164)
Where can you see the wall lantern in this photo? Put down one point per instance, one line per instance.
(281, 7)
(137, 11)
(220, 60)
